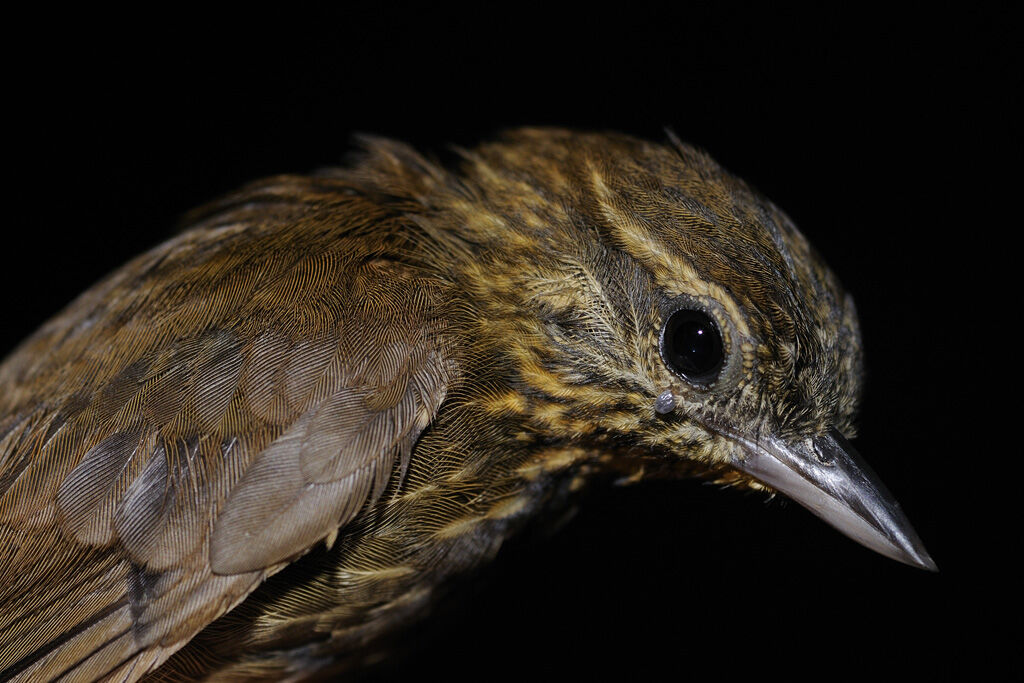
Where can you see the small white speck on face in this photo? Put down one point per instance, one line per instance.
(665, 402)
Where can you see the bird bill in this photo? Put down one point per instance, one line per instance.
(828, 477)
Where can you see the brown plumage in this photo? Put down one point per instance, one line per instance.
(401, 363)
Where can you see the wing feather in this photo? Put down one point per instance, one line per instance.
(199, 419)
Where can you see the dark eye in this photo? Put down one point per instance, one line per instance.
(691, 346)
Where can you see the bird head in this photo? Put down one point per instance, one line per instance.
(646, 300)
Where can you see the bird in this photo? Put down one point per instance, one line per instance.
(263, 447)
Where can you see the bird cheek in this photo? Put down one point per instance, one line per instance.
(690, 441)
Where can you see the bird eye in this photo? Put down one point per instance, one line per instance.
(691, 346)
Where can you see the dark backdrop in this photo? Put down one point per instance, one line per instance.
(879, 133)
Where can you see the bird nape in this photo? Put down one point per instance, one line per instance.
(396, 365)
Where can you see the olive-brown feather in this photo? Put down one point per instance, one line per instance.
(402, 361)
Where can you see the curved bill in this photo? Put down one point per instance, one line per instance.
(829, 478)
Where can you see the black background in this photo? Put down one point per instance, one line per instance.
(880, 133)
